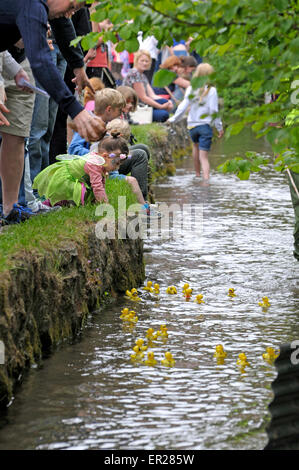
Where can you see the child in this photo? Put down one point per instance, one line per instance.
(203, 105)
(88, 96)
(109, 103)
(131, 98)
(123, 127)
(81, 179)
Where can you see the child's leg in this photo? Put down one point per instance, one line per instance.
(195, 154)
(136, 188)
(204, 161)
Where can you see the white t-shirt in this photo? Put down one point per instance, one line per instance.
(199, 113)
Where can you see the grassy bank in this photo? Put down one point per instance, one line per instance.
(45, 232)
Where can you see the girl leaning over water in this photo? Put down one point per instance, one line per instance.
(201, 118)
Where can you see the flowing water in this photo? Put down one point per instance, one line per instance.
(90, 395)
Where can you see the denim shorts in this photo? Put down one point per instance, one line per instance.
(115, 174)
(202, 135)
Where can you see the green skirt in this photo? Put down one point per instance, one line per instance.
(64, 181)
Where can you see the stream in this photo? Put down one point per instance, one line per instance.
(90, 395)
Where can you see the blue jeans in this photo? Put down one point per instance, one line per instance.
(43, 121)
(160, 115)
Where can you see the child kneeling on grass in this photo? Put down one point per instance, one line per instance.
(81, 179)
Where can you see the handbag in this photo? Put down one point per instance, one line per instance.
(142, 115)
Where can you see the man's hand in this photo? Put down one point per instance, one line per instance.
(89, 126)
(3, 120)
(220, 134)
(81, 80)
(22, 74)
(91, 54)
(3, 108)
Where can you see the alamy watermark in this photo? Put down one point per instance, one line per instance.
(295, 93)
(295, 354)
(2, 353)
(168, 221)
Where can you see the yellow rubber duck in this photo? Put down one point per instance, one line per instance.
(150, 332)
(156, 288)
(188, 293)
(149, 287)
(140, 343)
(124, 313)
(270, 355)
(231, 292)
(163, 333)
(132, 295)
(199, 299)
(242, 361)
(219, 352)
(150, 361)
(137, 355)
(185, 286)
(265, 303)
(169, 360)
(131, 317)
(171, 290)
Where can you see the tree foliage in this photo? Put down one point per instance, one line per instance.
(255, 42)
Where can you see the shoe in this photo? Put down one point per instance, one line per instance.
(17, 215)
(42, 208)
(151, 213)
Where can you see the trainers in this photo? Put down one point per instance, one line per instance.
(17, 215)
(41, 208)
(151, 213)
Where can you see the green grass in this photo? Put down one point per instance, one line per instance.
(150, 134)
(43, 233)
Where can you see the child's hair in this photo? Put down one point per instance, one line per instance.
(113, 142)
(139, 53)
(120, 125)
(129, 94)
(108, 97)
(97, 85)
(202, 70)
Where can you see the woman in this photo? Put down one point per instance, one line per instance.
(177, 88)
(137, 80)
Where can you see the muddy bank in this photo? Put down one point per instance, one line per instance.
(46, 298)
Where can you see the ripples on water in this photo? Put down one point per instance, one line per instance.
(89, 395)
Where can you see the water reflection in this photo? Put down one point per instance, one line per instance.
(90, 395)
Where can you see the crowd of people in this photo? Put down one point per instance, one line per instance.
(81, 108)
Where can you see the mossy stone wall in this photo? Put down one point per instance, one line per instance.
(46, 298)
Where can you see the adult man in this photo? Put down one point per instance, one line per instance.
(27, 19)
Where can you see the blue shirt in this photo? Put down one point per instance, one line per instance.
(27, 19)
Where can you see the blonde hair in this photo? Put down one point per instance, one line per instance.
(139, 53)
(97, 85)
(108, 97)
(121, 126)
(202, 70)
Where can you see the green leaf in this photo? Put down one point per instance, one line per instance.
(90, 40)
(132, 45)
(243, 175)
(234, 129)
(163, 78)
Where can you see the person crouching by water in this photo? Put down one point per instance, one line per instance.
(203, 107)
(81, 179)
